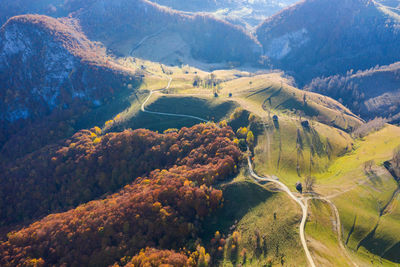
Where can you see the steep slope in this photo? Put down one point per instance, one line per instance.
(126, 26)
(143, 29)
(322, 37)
(300, 133)
(367, 198)
(50, 72)
(371, 93)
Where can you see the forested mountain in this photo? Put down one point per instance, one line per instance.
(371, 93)
(323, 37)
(100, 163)
(164, 208)
(167, 35)
(49, 73)
(310, 39)
(237, 11)
(144, 29)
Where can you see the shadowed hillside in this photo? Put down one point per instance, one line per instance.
(371, 93)
(49, 73)
(53, 8)
(323, 37)
(173, 37)
(143, 29)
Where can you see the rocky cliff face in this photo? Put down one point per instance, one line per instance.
(322, 37)
(48, 68)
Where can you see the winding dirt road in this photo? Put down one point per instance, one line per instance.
(337, 224)
(166, 113)
(303, 206)
(143, 40)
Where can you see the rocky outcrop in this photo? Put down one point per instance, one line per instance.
(316, 38)
(49, 69)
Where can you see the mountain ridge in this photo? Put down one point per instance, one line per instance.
(321, 38)
(194, 37)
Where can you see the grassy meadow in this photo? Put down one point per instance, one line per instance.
(303, 135)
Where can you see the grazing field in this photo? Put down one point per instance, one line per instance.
(322, 234)
(299, 135)
(267, 228)
(367, 199)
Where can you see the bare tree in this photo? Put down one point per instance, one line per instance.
(196, 81)
(396, 158)
(309, 183)
(368, 165)
(369, 127)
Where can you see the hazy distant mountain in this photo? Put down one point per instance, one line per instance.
(324, 37)
(244, 12)
(371, 93)
(54, 8)
(49, 69)
(190, 5)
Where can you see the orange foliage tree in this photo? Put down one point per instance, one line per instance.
(162, 209)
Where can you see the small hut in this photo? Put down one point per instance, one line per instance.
(299, 187)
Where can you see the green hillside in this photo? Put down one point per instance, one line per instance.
(310, 132)
(367, 200)
(298, 134)
(268, 231)
(291, 150)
